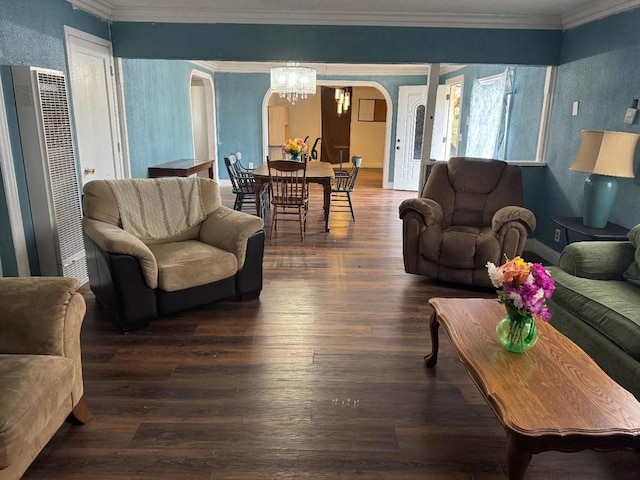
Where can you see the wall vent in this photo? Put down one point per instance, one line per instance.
(47, 146)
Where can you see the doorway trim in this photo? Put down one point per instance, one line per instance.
(341, 83)
(210, 99)
(11, 194)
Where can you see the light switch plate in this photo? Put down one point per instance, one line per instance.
(574, 109)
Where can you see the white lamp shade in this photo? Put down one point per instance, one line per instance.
(606, 153)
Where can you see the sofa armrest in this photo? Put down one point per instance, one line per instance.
(113, 239)
(597, 260)
(430, 210)
(41, 316)
(229, 230)
(513, 214)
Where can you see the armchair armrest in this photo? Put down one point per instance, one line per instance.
(513, 214)
(113, 239)
(230, 229)
(597, 260)
(41, 316)
(430, 210)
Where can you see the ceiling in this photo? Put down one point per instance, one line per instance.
(537, 14)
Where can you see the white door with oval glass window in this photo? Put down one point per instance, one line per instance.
(412, 103)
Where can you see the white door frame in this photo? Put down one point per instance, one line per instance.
(122, 167)
(11, 194)
(341, 83)
(210, 99)
(453, 81)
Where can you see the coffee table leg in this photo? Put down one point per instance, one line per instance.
(517, 459)
(431, 359)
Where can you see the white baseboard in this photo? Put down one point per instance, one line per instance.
(539, 248)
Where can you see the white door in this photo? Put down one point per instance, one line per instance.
(412, 103)
(439, 139)
(199, 119)
(94, 106)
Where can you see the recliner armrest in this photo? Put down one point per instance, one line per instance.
(513, 214)
(430, 210)
(113, 239)
(597, 260)
(229, 230)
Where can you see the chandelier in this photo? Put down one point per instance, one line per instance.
(343, 99)
(293, 82)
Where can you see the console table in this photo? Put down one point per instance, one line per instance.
(611, 232)
(181, 168)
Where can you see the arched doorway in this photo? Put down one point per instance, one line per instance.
(202, 98)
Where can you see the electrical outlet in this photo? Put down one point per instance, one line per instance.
(556, 235)
(251, 165)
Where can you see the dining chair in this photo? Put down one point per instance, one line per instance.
(243, 184)
(314, 149)
(343, 185)
(289, 193)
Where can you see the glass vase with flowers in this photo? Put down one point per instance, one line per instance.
(295, 147)
(523, 288)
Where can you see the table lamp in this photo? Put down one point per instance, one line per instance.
(605, 155)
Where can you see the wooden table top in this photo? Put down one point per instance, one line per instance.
(553, 390)
(314, 170)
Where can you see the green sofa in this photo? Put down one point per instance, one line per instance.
(597, 304)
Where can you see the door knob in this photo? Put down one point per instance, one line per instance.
(89, 171)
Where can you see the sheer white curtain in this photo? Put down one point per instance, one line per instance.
(485, 136)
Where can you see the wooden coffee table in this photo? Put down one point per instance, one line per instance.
(553, 397)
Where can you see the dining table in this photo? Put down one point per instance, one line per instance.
(317, 172)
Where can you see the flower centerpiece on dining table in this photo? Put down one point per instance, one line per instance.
(523, 288)
(295, 147)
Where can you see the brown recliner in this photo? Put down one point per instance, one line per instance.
(469, 213)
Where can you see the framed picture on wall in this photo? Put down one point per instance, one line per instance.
(372, 110)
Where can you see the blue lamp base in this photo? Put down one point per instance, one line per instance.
(599, 194)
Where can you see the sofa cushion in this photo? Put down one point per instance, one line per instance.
(462, 247)
(190, 264)
(609, 306)
(632, 274)
(32, 389)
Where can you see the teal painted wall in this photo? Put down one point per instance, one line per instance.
(31, 33)
(601, 72)
(158, 111)
(326, 43)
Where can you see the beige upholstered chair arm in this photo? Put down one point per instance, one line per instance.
(41, 316)
(430, 210)
(513, 214)
(113, 239)
(229, 230)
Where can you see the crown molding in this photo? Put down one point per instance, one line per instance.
(595, 11)
(327, 69)
(99, 8)
(179, 14)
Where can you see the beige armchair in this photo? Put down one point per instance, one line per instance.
(158, 246)
(40, 367)
(469, 213)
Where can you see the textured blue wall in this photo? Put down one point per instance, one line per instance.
(158, 112)
(602, 72)
(327, 43)
(31, 33)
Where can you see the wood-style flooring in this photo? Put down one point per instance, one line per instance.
(321, 378)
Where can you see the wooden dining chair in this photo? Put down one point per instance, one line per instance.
(289, 193)
(344, 184)
(243, 184)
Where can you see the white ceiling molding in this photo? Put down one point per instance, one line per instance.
(595, 11)
(99, 8)
(321, 68)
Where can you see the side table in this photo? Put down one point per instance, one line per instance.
(181, 168)
(611, 232)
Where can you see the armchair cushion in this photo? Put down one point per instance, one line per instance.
(191, 264)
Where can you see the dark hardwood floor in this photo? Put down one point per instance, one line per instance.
(321, 378)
